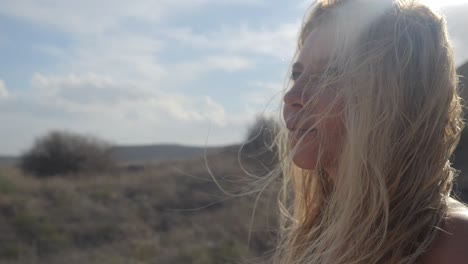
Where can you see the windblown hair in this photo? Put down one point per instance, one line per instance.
(394, 70)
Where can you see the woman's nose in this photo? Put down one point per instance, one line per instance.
(293, 97)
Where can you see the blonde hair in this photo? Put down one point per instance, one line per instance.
(394, 70)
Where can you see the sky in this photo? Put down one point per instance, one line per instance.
(192, 72)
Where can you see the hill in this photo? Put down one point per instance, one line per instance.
(8, 160)
(151, 153)
(147, 154)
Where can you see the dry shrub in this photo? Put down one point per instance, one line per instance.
(259, 144)
(62, 153)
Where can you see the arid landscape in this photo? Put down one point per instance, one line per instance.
(154, 204)
(167, 212)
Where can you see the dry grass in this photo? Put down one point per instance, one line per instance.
(171, 212)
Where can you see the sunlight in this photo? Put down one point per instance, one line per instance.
(439, 3)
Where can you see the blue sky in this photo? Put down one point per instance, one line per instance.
(192, 72)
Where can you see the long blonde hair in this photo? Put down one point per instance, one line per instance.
(394, 69)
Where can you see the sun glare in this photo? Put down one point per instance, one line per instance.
(440, 3)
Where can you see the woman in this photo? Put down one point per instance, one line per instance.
(372, 116)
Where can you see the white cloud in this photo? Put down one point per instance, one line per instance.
(185, 72)
(120, 53)
(94, 17)
(87, 88)
(271, 86)
(278, 42)
(438, 3)
(128, 116)
(227, 63)
(264, 97)
(93, 94)
(189, 109)
(3, 90)
(146, 126)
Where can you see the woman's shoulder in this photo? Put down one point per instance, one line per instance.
(450, 245)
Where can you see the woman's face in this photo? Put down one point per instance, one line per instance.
(329, 133)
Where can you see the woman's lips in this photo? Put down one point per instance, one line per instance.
(303, 132)
(297, 130)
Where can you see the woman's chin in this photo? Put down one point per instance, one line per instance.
(304, 162)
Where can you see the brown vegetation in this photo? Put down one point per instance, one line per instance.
(259, 145)
(171, 212)
(60, 153)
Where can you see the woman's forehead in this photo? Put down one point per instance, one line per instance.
(317, 49)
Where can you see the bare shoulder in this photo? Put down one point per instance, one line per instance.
(450, 245)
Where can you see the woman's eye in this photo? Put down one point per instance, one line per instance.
(295, 75)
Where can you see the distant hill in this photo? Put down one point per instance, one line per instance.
(8, 160)
(151, 153)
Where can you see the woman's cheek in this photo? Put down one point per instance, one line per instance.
(306, 155)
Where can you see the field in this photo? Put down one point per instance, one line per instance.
(168, 212)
